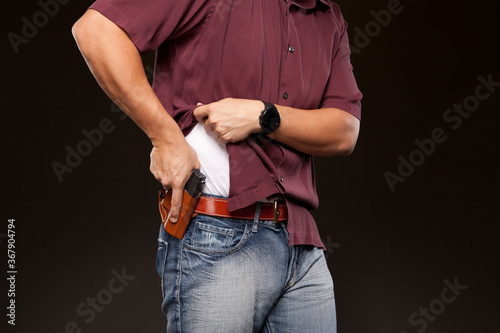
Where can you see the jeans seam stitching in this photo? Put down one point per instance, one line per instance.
(179, 278)
(163, 263)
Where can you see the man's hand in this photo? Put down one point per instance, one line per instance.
(172, 165)
(230, 119)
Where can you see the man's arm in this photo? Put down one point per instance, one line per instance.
(322, 132)
(117, 66)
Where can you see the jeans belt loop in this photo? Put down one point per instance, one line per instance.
(256, 218)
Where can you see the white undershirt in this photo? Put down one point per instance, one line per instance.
(214, 160)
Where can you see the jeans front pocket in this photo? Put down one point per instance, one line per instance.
(213, 235)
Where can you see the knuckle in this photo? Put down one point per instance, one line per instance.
(210, 121)
(175, 203)
(178, 182)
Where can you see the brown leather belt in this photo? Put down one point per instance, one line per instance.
(275, 211)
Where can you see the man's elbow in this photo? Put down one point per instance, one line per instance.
(346, 147)
(86, 29)
(78, 29)
(345, 141)
(341, 147)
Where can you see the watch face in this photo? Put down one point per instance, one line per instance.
(269, 119)
(274, 121)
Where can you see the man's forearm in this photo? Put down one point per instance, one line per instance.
(321, 132)
(117, 66)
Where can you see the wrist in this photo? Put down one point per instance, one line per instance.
(167, 134)
(269, 119)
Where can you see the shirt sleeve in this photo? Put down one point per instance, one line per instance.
(149, 23)
(342, 90)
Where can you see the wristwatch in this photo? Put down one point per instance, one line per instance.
(269, 119)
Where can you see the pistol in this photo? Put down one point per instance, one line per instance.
(192, 192)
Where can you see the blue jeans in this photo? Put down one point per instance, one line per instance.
(239, 276)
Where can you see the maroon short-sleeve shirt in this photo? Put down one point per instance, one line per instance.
(288, 52)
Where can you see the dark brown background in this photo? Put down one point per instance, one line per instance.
(389, 252)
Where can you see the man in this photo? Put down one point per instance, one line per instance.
(247, 91)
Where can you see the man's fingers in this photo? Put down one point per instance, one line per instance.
(161, 177)
(200, 113)
(222, 140)
(176, 204)
(208, 127)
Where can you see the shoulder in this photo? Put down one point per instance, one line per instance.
(336, 16)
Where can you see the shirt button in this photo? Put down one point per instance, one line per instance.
(281, 179)
(285, 96)
(291, 49)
